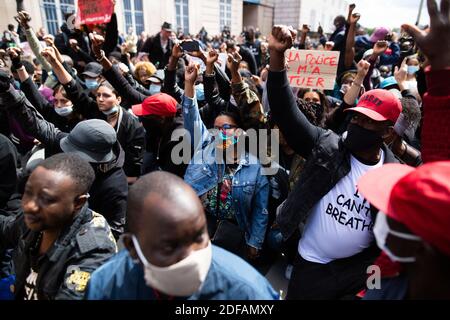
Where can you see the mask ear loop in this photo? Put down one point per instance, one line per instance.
(137, 247)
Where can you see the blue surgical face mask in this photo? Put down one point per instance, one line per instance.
(91, 84)
(154, 89)
(199, 92)
(111, 111)
(413, 69)
(17, 84)
(64, 111)
(233, 139)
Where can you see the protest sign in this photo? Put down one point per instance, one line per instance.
(95, 11)
(312, 69)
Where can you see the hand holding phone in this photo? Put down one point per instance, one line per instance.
(190, 46)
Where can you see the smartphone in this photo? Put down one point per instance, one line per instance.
(190, 46)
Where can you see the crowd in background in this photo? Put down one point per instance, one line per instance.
(92, 121)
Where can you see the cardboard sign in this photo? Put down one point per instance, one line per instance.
(95, 11)
(312, 69)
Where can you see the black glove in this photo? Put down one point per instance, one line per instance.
(5, 81)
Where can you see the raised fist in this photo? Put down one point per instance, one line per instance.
(281, 38)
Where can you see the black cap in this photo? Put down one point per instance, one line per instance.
(116, 55)
(92, 139)
(167, 26)
(93, 69)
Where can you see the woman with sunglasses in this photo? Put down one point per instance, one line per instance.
(228, 179)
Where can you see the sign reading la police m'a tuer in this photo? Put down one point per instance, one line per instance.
(95, 11)
(312, 69)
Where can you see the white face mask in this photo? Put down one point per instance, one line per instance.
(381, 231)
(111, 111)
(64, 111)
(181, 279)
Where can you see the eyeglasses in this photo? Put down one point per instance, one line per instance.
(225, 127)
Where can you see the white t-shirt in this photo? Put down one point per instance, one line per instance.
(340, 224)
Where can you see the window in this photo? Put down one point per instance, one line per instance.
(134, 15)
(182, 15)
(66, 6)
(54, 11)
(225, 13)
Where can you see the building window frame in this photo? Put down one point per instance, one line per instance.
(53, 15)
(225, 8)
(182, 15)
(133, 11)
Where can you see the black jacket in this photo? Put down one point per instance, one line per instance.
(46, 109)
(247, 56)
(158, 142)
(328, 160)
(130, 133)
(8, 161)
(65, 269)
(110, 189)
(155, 51)
(63, 44)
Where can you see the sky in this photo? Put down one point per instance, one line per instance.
(390, 13)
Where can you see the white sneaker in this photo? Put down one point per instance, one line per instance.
(288, 271)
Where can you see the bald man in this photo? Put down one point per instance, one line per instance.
(169, 253)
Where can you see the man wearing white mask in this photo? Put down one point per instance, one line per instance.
(412, 228)
(169, 254)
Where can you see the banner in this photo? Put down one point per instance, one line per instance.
(95, 11)
(312, 69)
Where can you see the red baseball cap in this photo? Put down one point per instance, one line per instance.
(418, 198)
(379, 105)
(159, 104)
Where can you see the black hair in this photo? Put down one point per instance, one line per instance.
(341, 19)
(115, 54)
(323, 99)
(28, 67)
(233, 115)
(313, 112)
(105, 83)
(230, 44)
(74, 166)
(159, 182)
(10, 27)
(60, 88)
(68, 60)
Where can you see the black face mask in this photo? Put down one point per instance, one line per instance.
(359, 138)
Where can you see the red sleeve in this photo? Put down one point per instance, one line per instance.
(436, 120)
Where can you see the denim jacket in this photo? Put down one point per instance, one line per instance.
(250, 189)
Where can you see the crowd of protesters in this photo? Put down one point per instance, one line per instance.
(111, 141)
